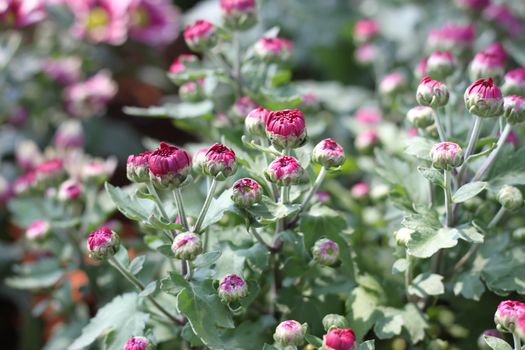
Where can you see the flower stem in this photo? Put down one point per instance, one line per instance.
(474, 135)
(408, 275)
(153, 192)
(448, 199)
(206, 206)
(258, 237)
(177, 194)
(237, 66)
(440, 130)
(313, 190)
(499, 215)
(492, 157)
(517, 341)
(189, 275)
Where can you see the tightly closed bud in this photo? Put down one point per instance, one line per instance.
(200, 36)
(340, 339)
(482, 344)
(286, 128)
(198, 160)
(484, 99)
(273, 49)
(328, 153)
(446, 155)
(514, 82)
(70, 190)
(239, 14)
(192, 91)
(403, 236)
(392, 84)
(137, 168)
(486, 64)
(325, 252)
(334, 321)
(432, 93)
(255, 122)
(440, 64)
(290, 333)
(243, 106)
(498, 50)
(138, 343)
(38, 231)
(514, 109)
(232, 288)
(69, 135)
(360, 190)
(186, 246)
(365, 30)
(366, 141)
(246, 192)
(169, 166)
(178, 71)
(510, 198)
(286, 171)
(27, 155)
(507, 314)
(50, 172)
(102, 243)
(421, 116)
(220, 162)
(520, 326)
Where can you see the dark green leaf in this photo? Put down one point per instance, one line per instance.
(433, 175)
(468, 191)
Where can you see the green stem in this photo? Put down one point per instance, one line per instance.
(408, 276)
(493, 155)
(448, 199)
(517, 341)
(237, 63)
(499, 215)
(314, 189)
(177, 194)
(440, 130)
(160, 206)
(206, 206)
(258, 237)
(189, 274)
(474, 135)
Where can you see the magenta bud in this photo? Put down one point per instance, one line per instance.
(273, 49)
(138, 343)
(169, 166)
(290, 333)
(432, 93)
(242, 107)
(178, 69)
(239, 14)
(328, 153)
(421, 116)
(286, 171)
(50, 172)
(455, 38)
(232, 288)
(325, 252)
(440, 64)
(514, 109)
(70, 190)
(69, 135)
(220, 162)
(137, 168)
(102, 243)
(286, 128)
(200, 36)
(365, 30)
(504, 19)
(366, 54)
(340, 339)
(507, 314)
(366, 141)
(246, 192)
(486, 64)
(255, 122)
(192, 91)
(38, 231)
(484, 99)
(392, 84)
(186, 246)
(514, 82)
(446, 155)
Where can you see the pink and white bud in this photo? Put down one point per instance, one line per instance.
(504, 19)
(286, 128)
(38, 231)
(455, 38)
(232, 288)
(514, 82)
(286, 171)
(328, 153)
(510, 198)
(138, 343)
(192, 91)
(365, 30)
(360, 190)
(169, 166)
(137, 168)
(198, 160)
(366, 141)
(27, 155)
(486, 65)
(392, 84)
(273, 49)
(50, 172)
(220, 162)
(70, 190)
(514, 109)
(186, 246)
(64, 70)
(325, 252)
(520, 326)
(368, 116)
(432, 93)
(246, 192)
(446, 155)
(98, 171)
(507, 314)
(290, 333)
(366, 53)
(178, 70)
(497, 49)
(69, 135)
(421, 116)
(440, 64)
(340, 339)
(484, 99)
(255, 122)
(103, 243)
(243, 106)
(201, 36)
(239, 14)
(154, 22)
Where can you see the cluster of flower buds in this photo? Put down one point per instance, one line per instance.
(507, 314)
(139, 343)
(446, 155)
(102, 243)
(38, 231)
(273, 49)
(232, 288)
(246, 192)
(325, 252)
(432, 93)
(290, 333)
(201, 36)
(186, 246)
(328, 154)
(510, 198)
(239, 14)
(484, 99)
(332, 321)
(340, 339)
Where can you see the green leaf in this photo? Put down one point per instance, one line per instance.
(361, 306)
(137, 209)
(183, 110)
(121, 316)
(504, 272)
(313, 340)
(468, 191)
(419, 147)
(496, 343)
(414, 322)
(41, 274)
(389, 323)
(137, 264)
(427, 284)
(207, 259)
(367, 345)
(218, 207)
(150, 289)
(433, 175)
(469, 285)
(424, 244)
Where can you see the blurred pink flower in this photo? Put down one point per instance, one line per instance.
(366, 53)
(368, 115)
(65, 70)
(21, 13)
(154, 22)
(503, 17)
(451, 37)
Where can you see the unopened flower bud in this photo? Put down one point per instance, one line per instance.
(456, 38)
(360, 190)
(69, 135)
(290, 333)
(514, 82)
(242, 107)
(239, 14)
(520, 326)
(325, 252)
(440, 64)
(484, 99)
(246, 192)
(178, 71)
(340, 339)
(310, 103)
(366, 141)
(366, 54)
(273, 49)
(446, 155)
(70, 190)
(334, 321)
(255, 122)
(328, 153)
(169, 166)
(403, 236)
(485, 65)
(286, 128)
(392, 84)
(97, 171)
(421, 116)
(25, 183)
(138, 343)
(368, 116)
(102, 243)
(50, 172)
(482, 344)
(510, 198)
(38, 231)
(232, 288)
(286, 171)
(220, 162)
(137, 168)
(507, 314)
(514, 109)
(186, 246)
(365, 30)
(432, 93)
(192, 91)
(200, 36)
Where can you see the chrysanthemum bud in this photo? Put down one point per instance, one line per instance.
(192, 91)
(510, 198)
(286, 128)
(97, 171)
(198, 160)
(325, 252)
(485, 65)
(484, 99)
(50, 172)
(520, 326)
(334, 321)
(232, 288)
(440, 64)
(432, 93)
(273, 49)
(420, 69)
(138, 343)
(69, 135)
(310, 103)
(366, 141)
(246, 192)
(482, 344)
(360, 190)
(25, 183)
(514, 109)
(186, 246)
(365, 30)
(137, 168)
(421, 116)
(200, 36)
(239, 14)
(504, 19)
(220, 162)
(340, 339)
(102, 243)
(290, 333)
(242, 107)
(328, 153)
(255, 122)
(446, 155)
(368, 116)
(507, 314)
(403, 236)
(514, 82)
(392, 84)
(179, 68)
(38, 231)
(456, 38)
(169, 166)
(69, 190)
(286, 171)
(366, 54)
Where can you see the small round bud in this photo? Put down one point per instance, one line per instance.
(360, 190)
(69, 190)
(392, 84)
(484, 99)
(456, 38)
(192, 91)
(169, 166)
(25, 183)
(200, 36)
(446, 155)
(255, 122)
(102, 243)
(365, 30)
(403, 236)
(334, 321)
(186, 246)
(421, 116)
(325, 252)
(482, 344)
(138, 343)
(514, 109)
(507, 314)
(432, 93)
(421, 68)
(440, 64)
(38, 231)
(486, 64)
(178, 71)
(137, 169)
(290, 333)
(273, 49)
(328, 153)
(69, 135)
(366, 54)
(246, 192)
(242, 107)
(366, 141)
(239, 14)
(232, 288)
(286, 171)
(220, 162)
(340, 339)
(514, 82)
(510, 198)
(286, 128)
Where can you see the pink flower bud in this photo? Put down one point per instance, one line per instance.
(154, 22)
(186, 246)
(455, 38)
(246, 192)
(366, 53)
(504, 19)
(286, 171)
(440, 64)
(69, 135)
(25, 183)
(328, 153)
(137, 168)
(232, 288)
(38, 231)
(365, 30)
(412, 132)
(239, 14)
(192, 91)
(181, 63)
(255, 122)
(514, 109)
(507, 314)
(366, 141)
(50, 171)
(484, 99)
(368, 116)
(446, 155)
(392, 84)
(198, 160)
(310, 103)
(220, 162)
(325, 252)
(486, 65)
(102, 243)
(169, 166)
(514, 82)
(360, 190)
(138, 343)
(498, 50)
(520, 326)
(340, 339)
(98, 171)
(421, 68)
(70, 190)
(432, 93)
(200, 36)
(473, 5)
(286, 128)
(27, 155)
(243, 106)
(65, 70)
(290, 333)
(273, 49)
(421, 116)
